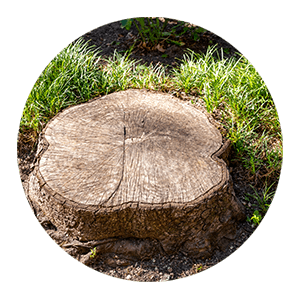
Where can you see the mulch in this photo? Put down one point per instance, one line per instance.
(110, 38)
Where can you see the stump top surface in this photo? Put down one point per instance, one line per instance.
(131, 148)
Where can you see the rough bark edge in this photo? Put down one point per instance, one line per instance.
(190, 243)
(76, 223)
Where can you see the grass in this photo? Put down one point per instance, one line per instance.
(230, 88)
(70, 78)
(262, 200)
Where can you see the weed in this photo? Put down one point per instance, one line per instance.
(265, 199)
(149, 29)
(256, 217)
(195, 32)
(93, 254)
(199, 268)
(226, 50)
(152, 32)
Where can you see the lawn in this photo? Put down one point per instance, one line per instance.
(231, 90)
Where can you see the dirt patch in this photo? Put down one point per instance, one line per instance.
(112, 37)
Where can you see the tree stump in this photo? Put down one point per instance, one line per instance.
(134, 173)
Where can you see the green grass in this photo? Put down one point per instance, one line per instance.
(262, 200)
(70, 78)
(230, 87)
(248, 111)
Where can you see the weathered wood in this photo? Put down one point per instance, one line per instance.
(137, 164)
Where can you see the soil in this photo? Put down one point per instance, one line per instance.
(109, 38)
(112, 37)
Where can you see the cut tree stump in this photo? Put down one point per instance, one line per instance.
(134, 173)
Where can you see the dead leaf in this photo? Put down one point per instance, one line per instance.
(141, 45)
(160, 48)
